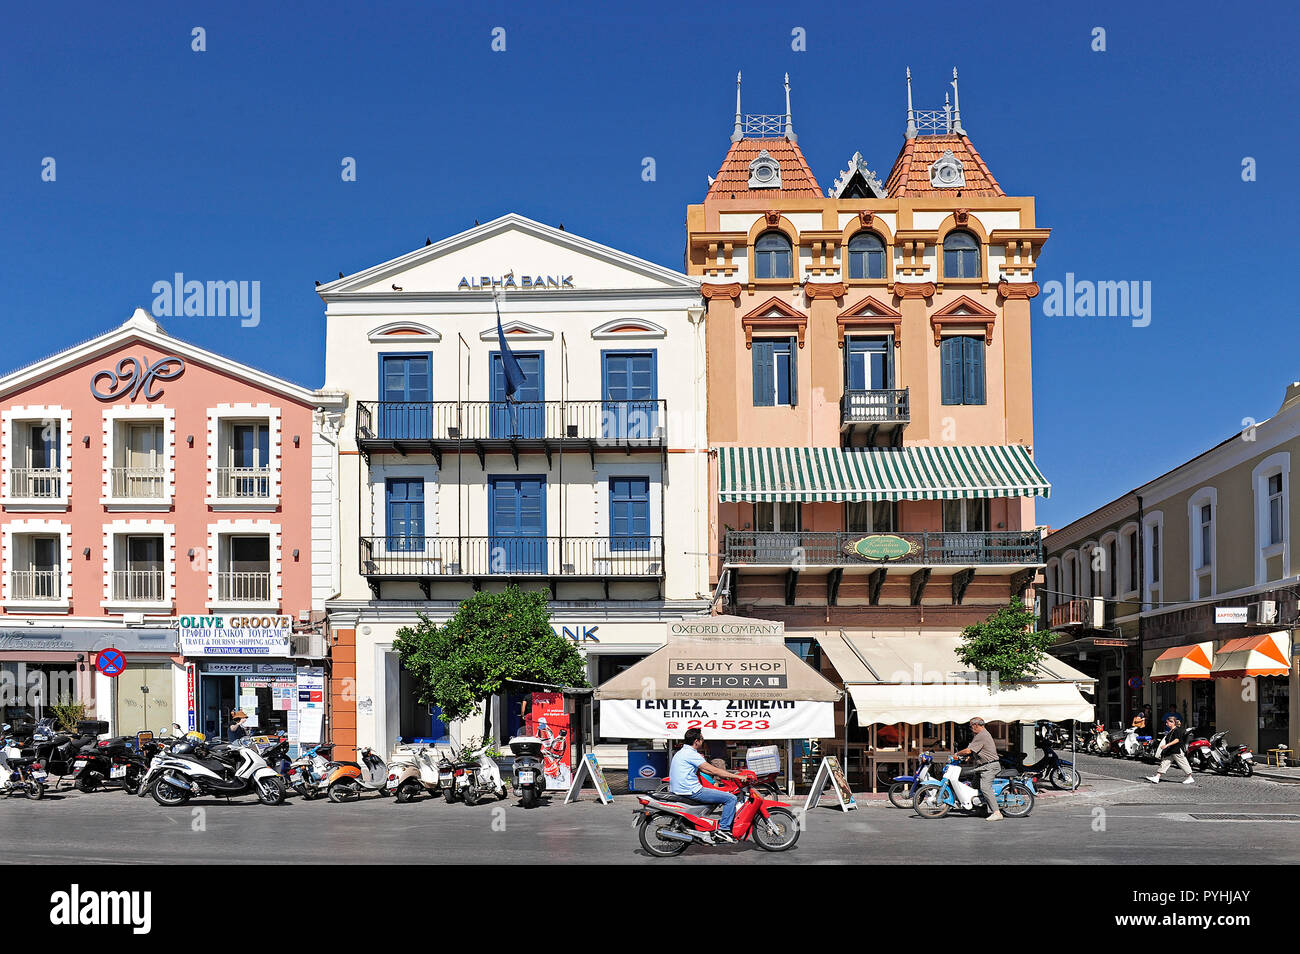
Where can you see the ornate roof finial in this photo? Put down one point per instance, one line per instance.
(738, 133)
(789, 123)
(911, 117)
(947, 114)
(956, 106)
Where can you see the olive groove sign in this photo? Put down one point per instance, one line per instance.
(882, 546)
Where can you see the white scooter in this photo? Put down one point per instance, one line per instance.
(480, 781)
(1130, 746)
(413, 769)
(228, 770)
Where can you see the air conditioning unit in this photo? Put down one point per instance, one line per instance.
(1097, 612)
(1261, 613)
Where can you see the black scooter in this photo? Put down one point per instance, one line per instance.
(530, 775)
(1060, 772)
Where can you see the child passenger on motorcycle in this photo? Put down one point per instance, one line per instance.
(684, 779)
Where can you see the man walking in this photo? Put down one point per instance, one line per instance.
(984, 757)
(1173, 750)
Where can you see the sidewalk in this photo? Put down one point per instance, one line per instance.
(1290, 773)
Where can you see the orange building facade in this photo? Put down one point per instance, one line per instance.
(870, 404)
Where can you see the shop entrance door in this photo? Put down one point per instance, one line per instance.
(1274, 713)
(217, 695)
(144, 699)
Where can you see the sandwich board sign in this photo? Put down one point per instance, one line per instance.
(829, 772)
(589, 768)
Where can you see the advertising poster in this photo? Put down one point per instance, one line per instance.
(548, 721)
(730, 719)
(311, 704)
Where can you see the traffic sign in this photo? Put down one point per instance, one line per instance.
(110, 662)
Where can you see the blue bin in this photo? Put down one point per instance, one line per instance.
(646, 769)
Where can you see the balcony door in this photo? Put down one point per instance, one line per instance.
(246, 575)
(868, 376)
(404, 504)
(777, 525)
(142, 579)
(249, 461)
(524, 416)
(406, 390)
(629, 389)
(629, 513)
(145, 456)
(42, 479)
(517, 524)
(964, 526)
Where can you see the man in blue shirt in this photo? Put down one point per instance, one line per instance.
(684, 779)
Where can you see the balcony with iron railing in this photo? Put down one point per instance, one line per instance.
(45, 584)
(876, 411)
(838, 548)
(244, 586)
(244, 483)
(36, 483)
(137, 586)
(143, 483)
(437, 426)
(474, 558)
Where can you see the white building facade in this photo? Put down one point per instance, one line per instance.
(589, 484)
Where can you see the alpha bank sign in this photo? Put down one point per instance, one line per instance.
(508, 282)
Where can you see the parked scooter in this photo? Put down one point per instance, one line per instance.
(1132, 745)
(1230, 759)
(56, 752)
(19, 773)
(194, 768)
(412, 770)
(668, 824)
(1198, 750)
(902, 792)
(109, 762)
(1098, 740)
(1014, 794)
(530, 773)
(1060, 772)
(347, 780)
(481, 780)
(307, 773)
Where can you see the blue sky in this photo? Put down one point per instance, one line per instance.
(225, 165)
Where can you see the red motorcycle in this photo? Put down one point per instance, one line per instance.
(668, 823)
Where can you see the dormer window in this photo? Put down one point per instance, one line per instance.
(946, 172)
(764, 172)
(773, 257)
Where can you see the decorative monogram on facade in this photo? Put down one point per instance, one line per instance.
(134, 376)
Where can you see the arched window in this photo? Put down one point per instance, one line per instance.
(961, 255)
(772, 256)
(866, 256)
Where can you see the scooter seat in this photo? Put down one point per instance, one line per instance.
(680, 799)
(1008, 773)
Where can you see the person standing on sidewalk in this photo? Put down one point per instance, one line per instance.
(1173, 750)
(984, 757)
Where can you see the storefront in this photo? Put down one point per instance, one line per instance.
(41, 667)
(243, 663)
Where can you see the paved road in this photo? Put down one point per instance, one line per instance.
(1114, 819)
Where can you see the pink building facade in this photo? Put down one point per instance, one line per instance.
(166, 502)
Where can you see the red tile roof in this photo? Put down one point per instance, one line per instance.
(733, 178)
(911, 173)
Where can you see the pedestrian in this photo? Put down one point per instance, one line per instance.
(1173, 750)
(237, 730)
(984, 757)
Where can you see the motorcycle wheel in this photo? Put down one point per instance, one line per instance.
(900, 795)
(1065, 778)
(528, 797)
(778, 832)
(928, 803)
(87, 782)
(1017, 800)
(406, 791)
(471, 796)
(35, 790)
(131, 784)
(1245, 769)
(168, 795)
(449, 793)
(270, 791)
(648, 831)
(345, 790)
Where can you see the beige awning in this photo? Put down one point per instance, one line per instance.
(1183, 662)
(919, 678)
(726, 662)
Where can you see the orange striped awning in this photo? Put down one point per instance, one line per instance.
(1266, 655)
(1183, 662)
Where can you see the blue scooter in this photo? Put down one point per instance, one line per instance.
(902, 793)
(1014, 794)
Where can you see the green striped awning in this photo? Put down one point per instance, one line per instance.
(877, 473)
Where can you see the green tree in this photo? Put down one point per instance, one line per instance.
(1005, 643)
(492, 639)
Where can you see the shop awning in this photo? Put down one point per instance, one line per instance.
(919, 678)
(1265, 655)
(1183, 662)
(915, 472)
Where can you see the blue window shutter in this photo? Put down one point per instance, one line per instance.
(794, 372)
(764, 374)
(950, 369)
(629, 513)
(974, 371)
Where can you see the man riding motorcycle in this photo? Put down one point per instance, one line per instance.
(986, 764)
(684, 779)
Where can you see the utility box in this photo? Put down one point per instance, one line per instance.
(647, 767)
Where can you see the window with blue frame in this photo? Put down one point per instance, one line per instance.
(404, 504)
(629, 513)
(866, 256)
(406, 395)
(775, 372)
(629, 387)
(773, 256)
(961, 369)
(524, 416)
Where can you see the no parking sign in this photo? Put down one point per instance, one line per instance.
(110, 662)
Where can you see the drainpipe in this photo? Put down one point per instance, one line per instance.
(695, 315)
(1142, 582)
